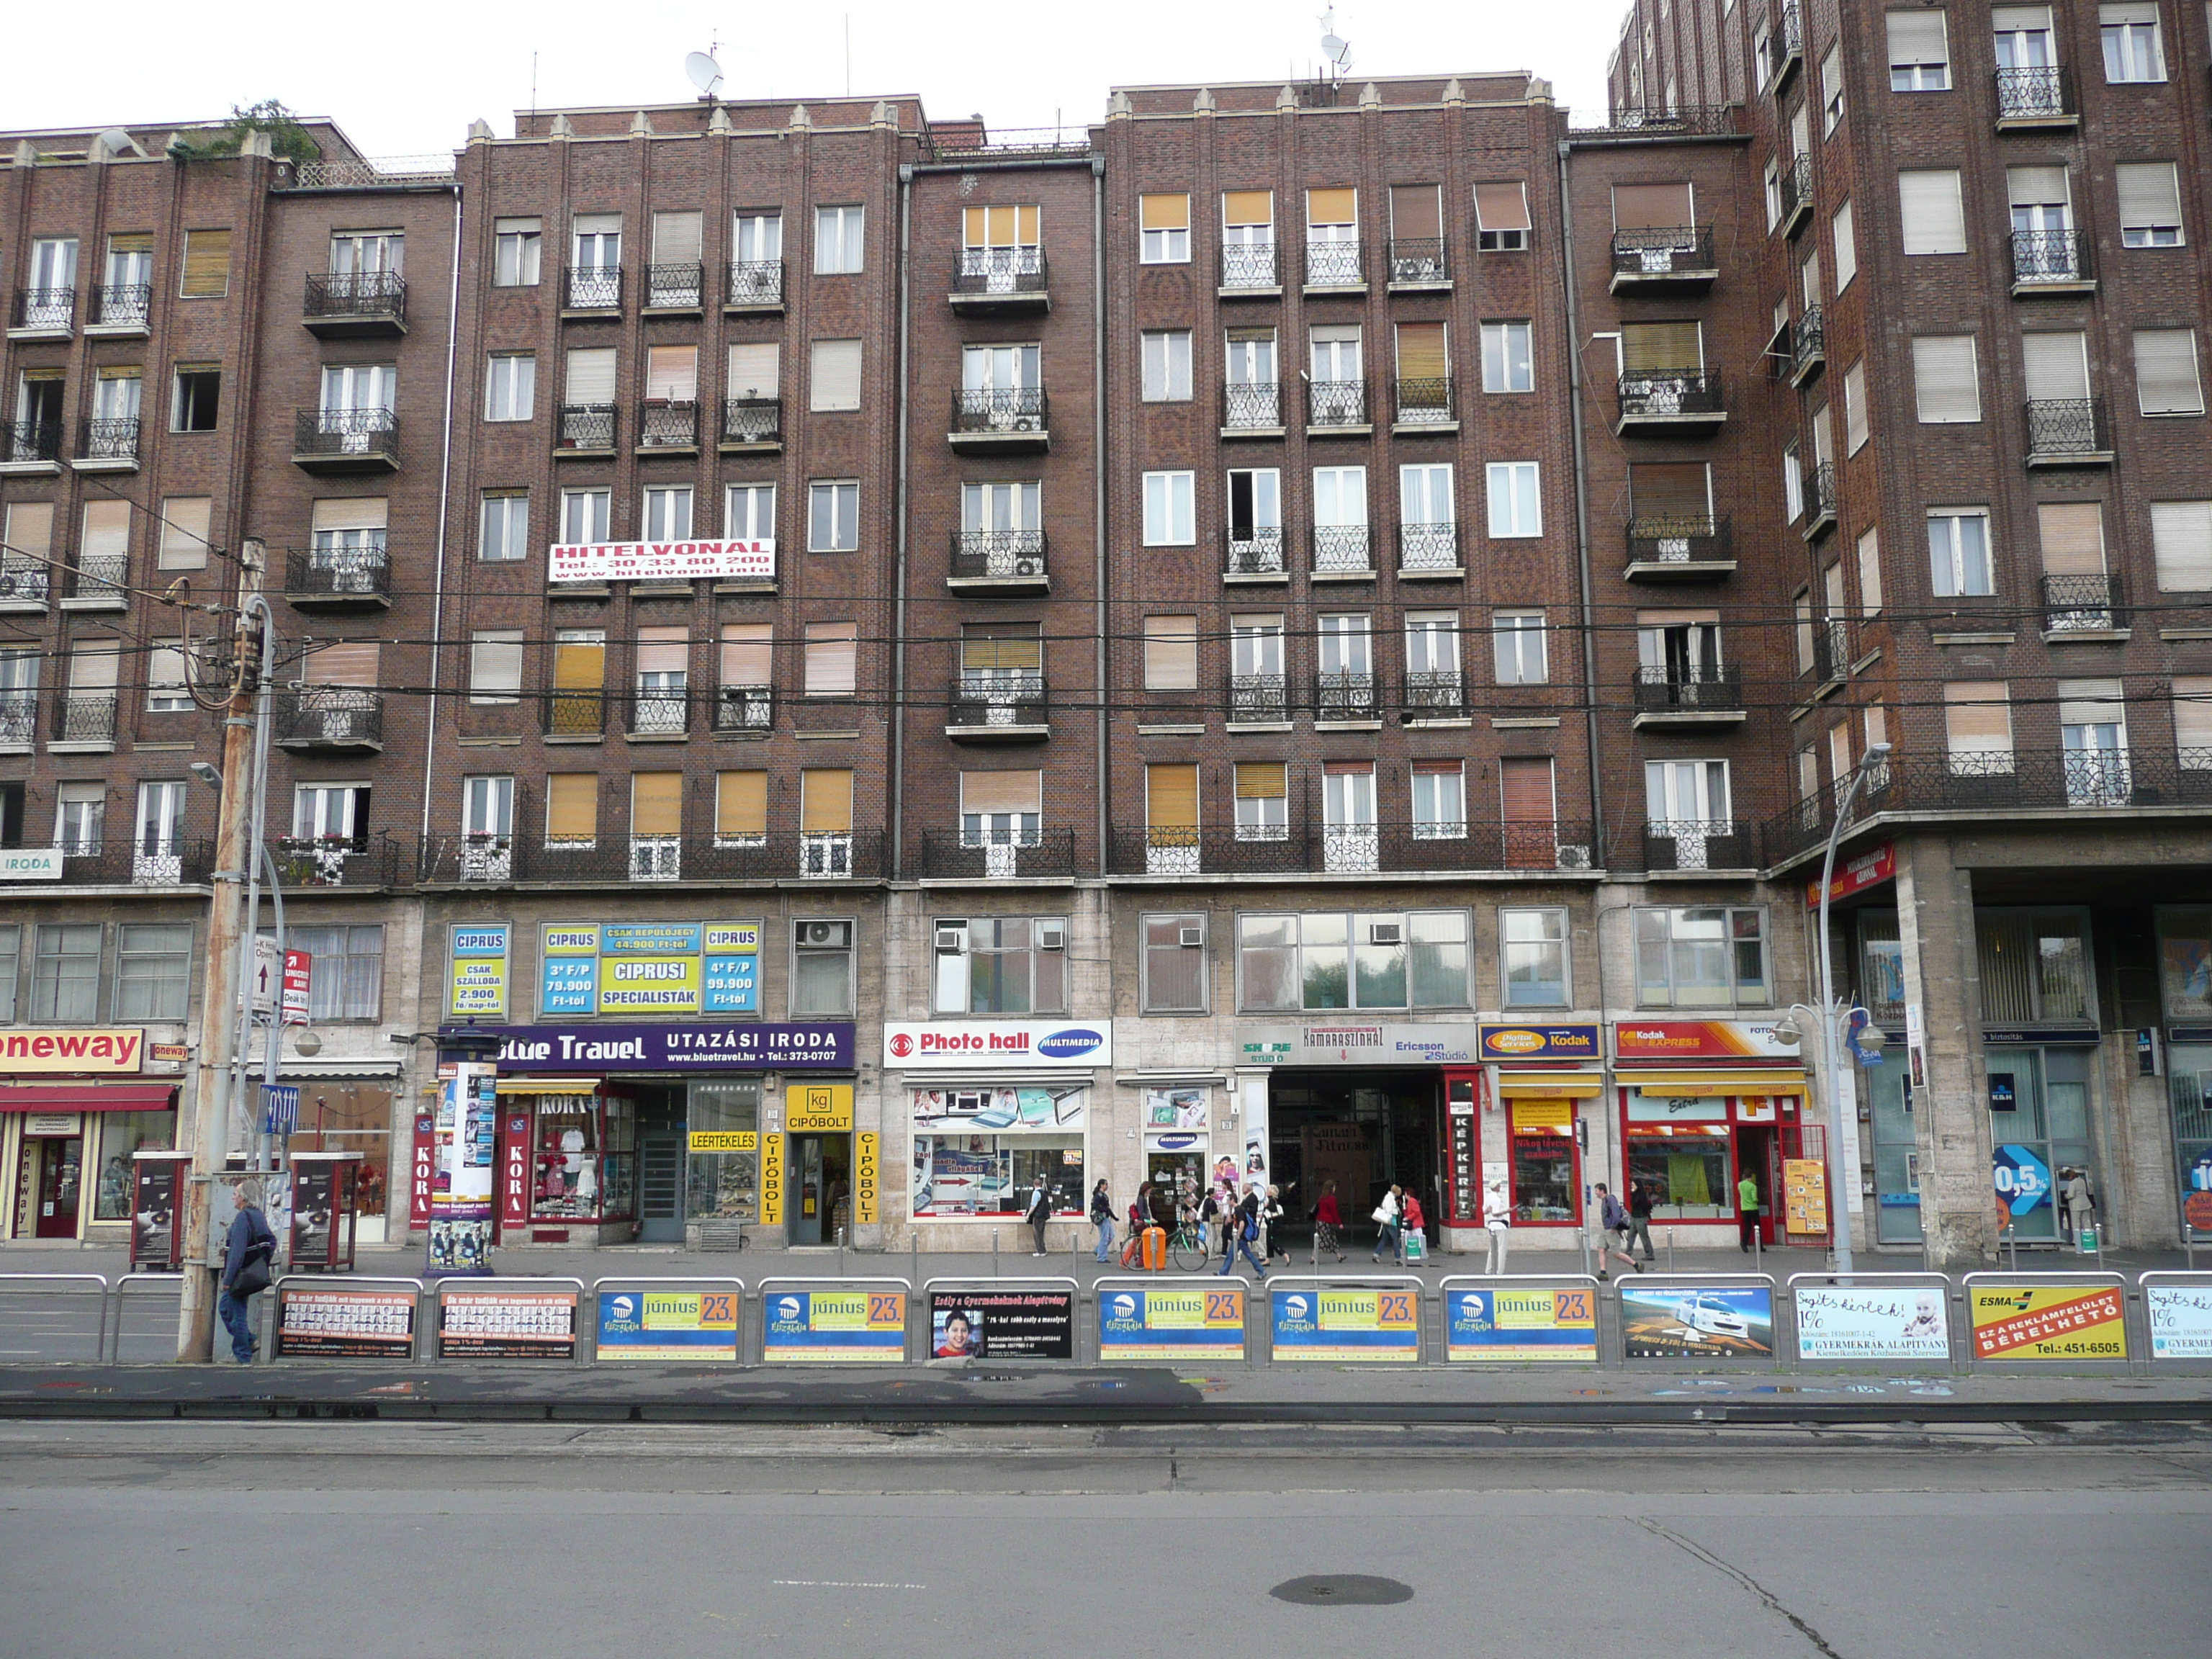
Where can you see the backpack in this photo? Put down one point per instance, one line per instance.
(1251, 1230)
(1615, 1218)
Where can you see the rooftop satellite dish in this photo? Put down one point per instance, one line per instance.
(706, 74)
(116, 141)
(1333, 48)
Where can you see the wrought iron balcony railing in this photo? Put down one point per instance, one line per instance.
(587, 426)
(1795, 183)
(752, 420)
(983, 702)
(1342, 549)
(1680, 252)
(575, 713)
(1809, 344)
(32, 440)
(664, 424)
(1336, 402)
(1004, 554)
(24, 581)
(120, 861)
(347, 435)
(1262, 698)
(1259, 552)
(120, 305)
(999, 411)
(1427, 547)
(108, 438)
(1667, 394)
(1424, 402)
(1786, 43)
(1708, 688)
(330, 716)
(48, 309)
(1343, 695)
(591, 288)
(2059, 257)
(675, 286)
(2083, 604)
(85, 717)
(1434, 694)
(755, 283)
(744, 708)
(1252, 406)
(2069, 430)
(356, 294)
(1251, 265)
(1403, 846)
(336, 575)
(380, 860)
(2038, 94)
(1700, 844)
(102, 578)
(660, 712)
(609, 857)
(1680, 540)
(1831, 649)
(1048, 854)
(1820, 496)
(1683, 120)
(19, 716)
(1001, 272)
(1419, 262)
(1334, 264)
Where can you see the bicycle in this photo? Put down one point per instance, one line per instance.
(1187, 1244)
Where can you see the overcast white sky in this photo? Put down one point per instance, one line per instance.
(405, 76)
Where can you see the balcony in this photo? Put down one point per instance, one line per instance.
(1688, 844)
(675, 290)
(1342, 697)
(1433, 694)
(1429, 552)
(354, 304)
(1795, 183)
(2084, 608)
(1250, 271)
(107, 444)
(1664, 261)
(384, 860)
(754, 285)
(25, 583)
(1628, 126)
(1256, 557)
(30, 446)
(585, 429)
(666, 426)
(120, 861)
(1335, 268)
(1001, 279)
(42, 313)
(2069, 432)
(19, 719)
(2051, 262)
(751, 425)
(1049, 855)
(1808, 346)
(100, 581)
(1831, 661)
(338, 579)
(1670, 401)
(606, 860)
(1679, 550)
(84, 721)
(2040, 97)
(1253, 409)
(575, 715)
(1708, 695)
(1006, 419)
(1819, 500)
(998, 707)
(658, 714)
(1423, 406)
(1785, 47)
(1419, 265)
(1258, 700)
(120, 310)
(1395, 848)
(1338, 407)
(590, 290)
(341, 441)
(1342, 550)
(333, 719)
(1005, 562)
(744, 709)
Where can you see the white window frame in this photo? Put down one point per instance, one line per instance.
(1509, 488)
(838, 493)
(510, 386)
(2130, 45)
(1499, 339)
(1951, 557)
(1170, 509)
(1519, 647)
(592, 506)
(840, 240)
(666, 513)
(507, 541)
(1164, 365)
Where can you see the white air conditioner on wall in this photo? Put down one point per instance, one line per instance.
(1193, 939)
(1052, 936)
(1386, 933)
(952, 938)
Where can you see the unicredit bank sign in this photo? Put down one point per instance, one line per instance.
(986, 1043)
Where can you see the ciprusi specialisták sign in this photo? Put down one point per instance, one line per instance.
(718, 560)
(996, 1043)
(676, 1047)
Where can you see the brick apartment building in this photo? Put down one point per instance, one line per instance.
(1312, 632)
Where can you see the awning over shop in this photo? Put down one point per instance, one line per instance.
(292, 1067)
(547, 1085)
(1550, 1086)
(90, 1097)
(1780, 1081)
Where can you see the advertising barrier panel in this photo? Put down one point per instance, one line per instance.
(638, 1323)
(1316, 1321)
(315, 1323)
(1694, 1319)
(1871, 1321)
(867, 1327)
(1010, 1323)
(2067, 1320)
(483, 1323)
(1153, 1323)
(2179, 1312)
(1521, 1324)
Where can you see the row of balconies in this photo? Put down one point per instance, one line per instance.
(1253, 408)
(104, 444)
(770, 855)
(673, 290)
(341, 719)
(1255, 269)
(1302, 847)
(669, 426)
(1340, 552)
(120, 309)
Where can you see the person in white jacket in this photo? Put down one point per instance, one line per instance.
(1386, 1222)
(1497, 1217)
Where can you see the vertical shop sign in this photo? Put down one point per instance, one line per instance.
(424, 1171)
(514, 1174)
(479, 967)
(867, 1171)
(771, 1181)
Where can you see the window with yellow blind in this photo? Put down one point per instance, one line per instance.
(672, 374)
(1333, 238)
(1501, 216)
(1661, 347)
(832, 658)
(1001, 652)
(1654, 207)
(1247, 239)
(1246, 210)
(1163, 230)
(656, 806)
(1424, 388)
(207, 264)
(1170, 654)
(747, 673)
(27, 528)
(826, 801)
(1172, 805)
(2192, 720)
(104, 532)
(184, 532)
(340, 662)
(1001, 809)
(580, 667)
(2073, 537)
(740, 809)
(999, 226)
(1263, 800)
(1870, 572)
(1978, 727)
(572, 810)
(1416, 215)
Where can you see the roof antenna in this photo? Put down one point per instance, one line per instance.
(706, 74)
(1337, 51)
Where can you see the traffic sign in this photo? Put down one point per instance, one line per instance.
(280, 1108)
(261, 979)
(2022, 1178)
(298, 974)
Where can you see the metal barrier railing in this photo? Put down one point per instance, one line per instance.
(1521, 1319)
(1143, 1317)
(715, 1310)
(1017, 1317)
(507, 1319)
(314, 1317)
(151, 1284)
(2176, 1314)
(802, 1322)
(1668, 1318)
(72, 1285)
(1864, 1316)
(2039, 1319)
(1305, 1326)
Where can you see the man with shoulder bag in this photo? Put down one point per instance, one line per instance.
(248, 1249)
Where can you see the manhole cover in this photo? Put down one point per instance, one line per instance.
(1322, 1590)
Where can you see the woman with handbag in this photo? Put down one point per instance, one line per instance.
(1386, 1221)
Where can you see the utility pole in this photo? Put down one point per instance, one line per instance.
(219, 999)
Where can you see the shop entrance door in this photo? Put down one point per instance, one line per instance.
(60, 1164)
(1760, 1156)
(661, 1166)
(821, 1187)
(2044, 1135)
(1385, 1128)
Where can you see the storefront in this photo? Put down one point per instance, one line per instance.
(995, 1105)
(75, 1107)
(345, 1106)
(2184, 935)
(1547, 1079)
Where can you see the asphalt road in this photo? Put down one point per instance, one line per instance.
(379, 1539)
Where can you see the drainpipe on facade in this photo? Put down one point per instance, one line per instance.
(898, 596)
(1102, 606)
(444, 499)
(1598, 851)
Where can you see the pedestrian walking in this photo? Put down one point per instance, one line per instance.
(1140, 1216)
(1639, 1218)
(1241, 1232)
(1608, 1229)
(247, 1250)
(1039, 1212)
(1748, 1209)
(1328, 1221)
(1386, 1218)
(1270, 1226)
(2080, 1205)
(1496, 1219)
(1413, 1231)
(1101, 1217)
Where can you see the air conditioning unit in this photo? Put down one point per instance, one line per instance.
(826, 935)
(1386, 933)
(1193, 939)
(1574, 858)
(954, 939)
(1052, 936)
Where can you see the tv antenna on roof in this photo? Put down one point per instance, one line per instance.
(1333, 47)
(706, 74)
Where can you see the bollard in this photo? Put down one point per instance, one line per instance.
(1670, 1249)
(2097, 1238)
(1755, 1249)
(840, 1252)
(995, 1252)
(913, 1254)
(1583, 1239)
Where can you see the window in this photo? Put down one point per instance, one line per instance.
(166, 676)
(1771, 185)
(1255, 520)
(1869, 557)
(183, 532)
(1405, 959)
(1855, 427)
(1519, 638)
(207, 264)
(1793, 481)
(1439, 800)
(2150, 204)
(1501, 217)
(80, 818)
(1170, 654)
(1175, 964)
(1847, 247)
(741, 809)
(1001, 966)
(1959, 552)
(1339, 513)
(1164, 225)
(331, 811)
(749, 512)
(346, 980)
(1169, 513)
(583, 517)
(832, 658)
(1680, 796)
(837, 239)
(668, 516)
(510, 386)
(198, 399)
(821, 957)
(158, 836)
(1508, 357)
(837, 380)
(1832, 89)
(488, 807)
(153, 969)
(1946, 384)
(834, 515)
(11, 949)
(1704, 957)
(758, 239)
(1532, 958)
(496, 665)
(503, 531)
(2181, 542)
(1515, 506)
(1001, 810)
(1167, 366)
(1919, 55)
(2166, 382)
(65, 973)
(1978, 727)
(2133, 51)
(1933, 216)
(2192, 739)
(515, 251)
(1263, 800)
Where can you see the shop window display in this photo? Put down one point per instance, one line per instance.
(724, 1185)
(1690, 1176)
(976, 1151)
(1543, 1178)
(122, 1134)
(350, 1117)
(583, 1158)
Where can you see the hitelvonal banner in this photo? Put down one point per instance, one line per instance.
(662, 562)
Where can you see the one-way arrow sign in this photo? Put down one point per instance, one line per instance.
(267, 974)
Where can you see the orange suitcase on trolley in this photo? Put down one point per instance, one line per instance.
(1155, 1256)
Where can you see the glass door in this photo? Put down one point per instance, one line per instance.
(2040, 1116)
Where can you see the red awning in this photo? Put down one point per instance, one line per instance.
(90, 1097)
